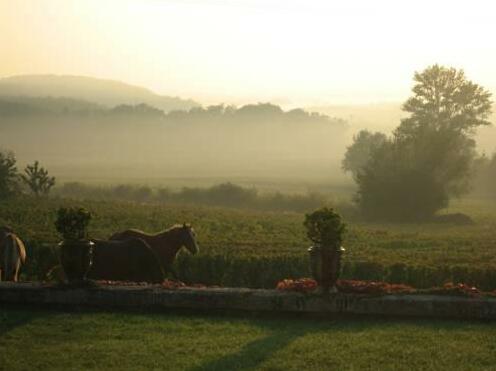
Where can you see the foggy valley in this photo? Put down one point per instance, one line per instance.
(95, 142)
(106, 132)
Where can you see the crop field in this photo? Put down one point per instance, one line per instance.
(61, 341)
(257, 249)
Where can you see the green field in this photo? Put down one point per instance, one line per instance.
(256, 249)
(42, 340)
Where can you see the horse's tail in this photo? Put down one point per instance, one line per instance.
(21, 249)
(14, 254)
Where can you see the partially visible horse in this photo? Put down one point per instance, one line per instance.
(165, 244)
(12, 255)
(129, 260)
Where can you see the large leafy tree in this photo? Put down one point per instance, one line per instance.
(358, 154)
(444, 100)
(429, 158)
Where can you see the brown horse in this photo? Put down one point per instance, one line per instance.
(12, 255)
(129, 260)
(165, 244)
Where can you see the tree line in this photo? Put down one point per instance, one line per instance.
(68, 107)
(224, 195)
(34, 179)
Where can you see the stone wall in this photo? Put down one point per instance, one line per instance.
(241, 299)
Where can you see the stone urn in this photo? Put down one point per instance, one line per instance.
(76, 259)
(325, 266)
(325, 229)
(75, 249)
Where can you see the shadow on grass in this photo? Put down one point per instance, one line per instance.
(282, 333)
(12, 317)
(256, 352)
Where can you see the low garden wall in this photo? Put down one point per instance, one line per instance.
(242, 299)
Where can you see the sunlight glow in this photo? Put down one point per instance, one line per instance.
(289, 52)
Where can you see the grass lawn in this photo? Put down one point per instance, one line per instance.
(31, 340)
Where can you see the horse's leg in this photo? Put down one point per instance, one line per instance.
(17, 269)
(174, 273)
(170, 270)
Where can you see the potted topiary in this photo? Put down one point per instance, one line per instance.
(75, 249)
(325, 229)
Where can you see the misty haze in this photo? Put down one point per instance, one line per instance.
(101, 131)
(135, 141)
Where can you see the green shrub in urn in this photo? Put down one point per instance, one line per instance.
(75, 249)
(72, 223)
(325, 229)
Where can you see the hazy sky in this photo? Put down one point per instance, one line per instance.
(287, 51)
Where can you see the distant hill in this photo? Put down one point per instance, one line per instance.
(37, 107)
(29, 106)
(103, 92)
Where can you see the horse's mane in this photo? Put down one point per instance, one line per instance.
(172, 228)
(176, 226)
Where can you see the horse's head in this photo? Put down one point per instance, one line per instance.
(189, 239)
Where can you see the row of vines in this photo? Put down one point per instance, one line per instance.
(258, 249)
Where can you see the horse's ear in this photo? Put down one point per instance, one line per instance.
(184, 225)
